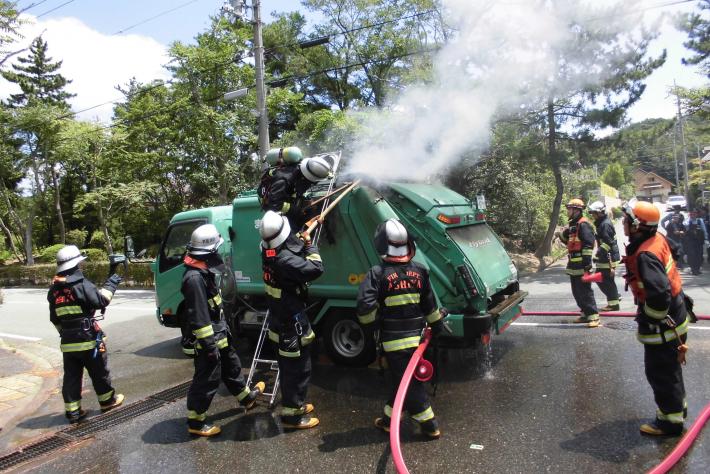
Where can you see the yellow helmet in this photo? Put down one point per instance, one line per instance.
(575, 203)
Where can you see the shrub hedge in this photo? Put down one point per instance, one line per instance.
(138, 274)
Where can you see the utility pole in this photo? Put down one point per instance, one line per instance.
(682, 141)
(237, 9)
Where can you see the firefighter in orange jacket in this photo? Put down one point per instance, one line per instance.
(652, 276)
(579, 238)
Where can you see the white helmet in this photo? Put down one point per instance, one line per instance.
(68, 257)
(391, 239)
(204, 240)
(597, 206)
(274, 230)
(315, 169)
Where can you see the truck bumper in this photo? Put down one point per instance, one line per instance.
(470, 327)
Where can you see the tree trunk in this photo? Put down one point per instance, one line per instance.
(30, 260)
(546, 245)
(58, 206)
(10, 240)
(100, 215)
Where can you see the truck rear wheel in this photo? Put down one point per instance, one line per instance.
(346, 342)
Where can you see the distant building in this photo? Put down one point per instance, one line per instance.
(651, 187)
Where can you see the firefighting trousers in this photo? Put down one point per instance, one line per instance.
(96, 366)
(295, 373)
(584, 297)
(665, 375)
(417, 401)
(608, 286)
(208, 373)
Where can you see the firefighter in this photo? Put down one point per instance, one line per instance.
(289, 263)
(396, 298)
(290, 175)
(215, 357)
(607, 257)
(579, 238)
(653, 277)
(73, 301)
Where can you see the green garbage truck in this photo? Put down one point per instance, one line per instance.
(472, 275)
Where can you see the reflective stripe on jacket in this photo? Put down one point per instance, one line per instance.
(399, 297)
(579, 237)
(73, 300)
(653, 277)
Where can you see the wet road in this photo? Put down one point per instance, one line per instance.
(545, 397)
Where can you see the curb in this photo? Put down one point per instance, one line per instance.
(37, 383)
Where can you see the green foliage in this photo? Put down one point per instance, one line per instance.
(77, 237)
(97, 240)
(95, 255)
(614, 175)
(616, 212)
(49, 254)
(139, 274)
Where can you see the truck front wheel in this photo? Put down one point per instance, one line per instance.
(346, 342)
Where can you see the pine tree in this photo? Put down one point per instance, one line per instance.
(38, 79)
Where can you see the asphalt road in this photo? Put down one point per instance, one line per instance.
(546, 396)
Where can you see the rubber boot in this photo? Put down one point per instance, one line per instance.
(299, 423)
(610, 307)
(430, 429)
(308, 408)
(115, 402)
(201, 428)
(76, 417)
(654, 429)
(249, 401)
(592, 323)
(382, 424)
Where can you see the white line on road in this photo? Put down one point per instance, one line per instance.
(559, 325)
(22, 338)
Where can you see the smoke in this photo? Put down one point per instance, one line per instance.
(505, 57)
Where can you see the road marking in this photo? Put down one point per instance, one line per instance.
(581, 325)
(22, 338)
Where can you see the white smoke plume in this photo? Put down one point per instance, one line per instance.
(504, 56)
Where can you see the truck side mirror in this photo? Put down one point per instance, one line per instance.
(128, 246)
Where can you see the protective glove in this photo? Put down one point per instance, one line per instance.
(115, 279)
(589, 269)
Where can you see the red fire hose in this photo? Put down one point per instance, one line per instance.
(684, 443)
(399, 402)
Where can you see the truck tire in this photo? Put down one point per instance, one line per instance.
(345, 341)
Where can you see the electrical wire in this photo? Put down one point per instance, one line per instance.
(166, 12)
(31, 5)
(54, 9)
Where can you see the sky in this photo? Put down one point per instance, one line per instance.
(102, 45)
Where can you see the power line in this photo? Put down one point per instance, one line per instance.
(142, 22)
(31, 5)
(55, 8)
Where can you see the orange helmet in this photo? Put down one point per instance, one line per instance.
(575, 203)
(643, 213)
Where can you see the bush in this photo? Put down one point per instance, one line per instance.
(616, 212)
(77, 237)
(49, 254)
(139, 274)
(98, 240)
(96, 255)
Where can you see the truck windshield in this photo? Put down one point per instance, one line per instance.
(174, 245)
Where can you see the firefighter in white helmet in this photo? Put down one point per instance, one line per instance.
(396, 298)
(607, 256)
(215, 356)
(289, 263)
(290, 175)
(73, 300)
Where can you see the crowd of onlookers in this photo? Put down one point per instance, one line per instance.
(689, 235)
